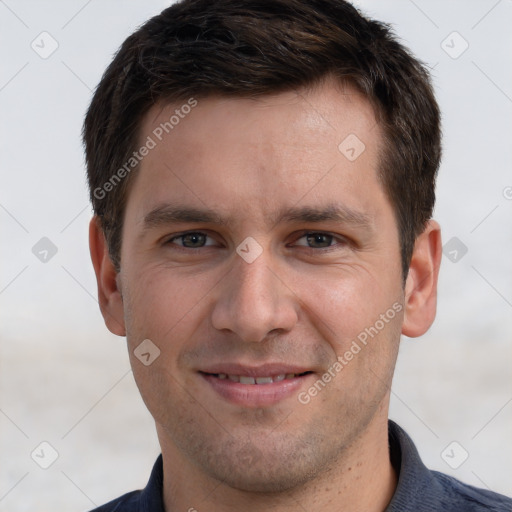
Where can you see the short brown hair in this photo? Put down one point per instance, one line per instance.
(245, 48)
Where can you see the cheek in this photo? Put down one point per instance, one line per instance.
(163, 307)
(343, 303)
(361, 321)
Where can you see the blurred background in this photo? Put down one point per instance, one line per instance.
(65, 381)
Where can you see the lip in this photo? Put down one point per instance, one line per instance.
(255, 371)
(255, 395)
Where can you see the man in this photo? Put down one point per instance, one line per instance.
(262, 175)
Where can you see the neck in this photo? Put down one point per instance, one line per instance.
(362, 478)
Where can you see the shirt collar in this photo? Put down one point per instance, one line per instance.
(151, 498)
(416, 484)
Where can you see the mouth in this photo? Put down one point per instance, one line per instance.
(263, 380)
(255, 387)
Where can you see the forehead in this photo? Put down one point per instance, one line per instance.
(224, 152)
(329, 106)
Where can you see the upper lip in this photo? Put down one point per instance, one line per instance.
(263, 370)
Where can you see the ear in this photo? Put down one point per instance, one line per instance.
(421, 283)
(109, 296)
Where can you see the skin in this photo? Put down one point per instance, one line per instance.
(302, 301)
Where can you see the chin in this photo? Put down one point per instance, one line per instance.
(261, 480)
(263, 469)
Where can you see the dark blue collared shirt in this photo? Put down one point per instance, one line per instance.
(418, 489)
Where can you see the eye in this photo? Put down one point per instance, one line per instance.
(318, 240)
(191, 240)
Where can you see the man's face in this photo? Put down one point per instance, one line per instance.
(318, 263)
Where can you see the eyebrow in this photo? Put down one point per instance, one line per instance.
(329, 213)
(169, 214)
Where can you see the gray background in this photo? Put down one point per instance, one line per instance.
(67, 381)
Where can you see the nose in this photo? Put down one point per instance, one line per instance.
(254, 300)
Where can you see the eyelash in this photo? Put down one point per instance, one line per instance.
(340, 240)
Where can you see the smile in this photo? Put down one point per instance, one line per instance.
(255, 388)
(244, 379)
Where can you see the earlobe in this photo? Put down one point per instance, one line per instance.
(421, 283)
(109, 294)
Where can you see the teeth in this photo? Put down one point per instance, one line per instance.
(263, 380)
(243, 379)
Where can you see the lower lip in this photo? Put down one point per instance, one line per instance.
(255, 395)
